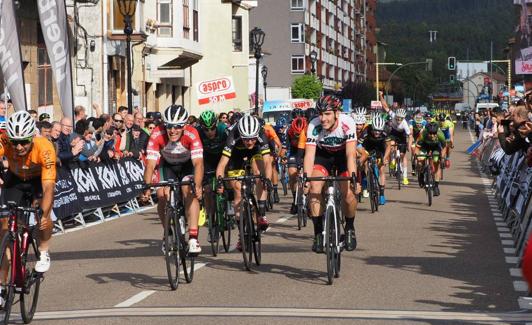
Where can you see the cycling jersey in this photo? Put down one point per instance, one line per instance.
(40, 161)
(417, 130)
(212, 148)
(281, 134)
(375, 144)
(188, 147)
(273, 140)
(401, 127)
(234, 144)
(446, 125)
(335, 140)
(425, 141)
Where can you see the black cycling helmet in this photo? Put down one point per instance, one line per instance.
(433, 128)
(311, 113)
(441, 117)
(328, 103)
(296, 112)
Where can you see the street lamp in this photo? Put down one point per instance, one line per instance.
(313, 58)
(257, 39)
(127, 10)
(264, 73)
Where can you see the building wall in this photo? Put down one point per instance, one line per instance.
(371, 39)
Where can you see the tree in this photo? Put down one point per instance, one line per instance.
(360, 93)
(306, 86)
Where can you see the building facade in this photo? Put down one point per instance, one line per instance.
(371, 40)
(336, 30)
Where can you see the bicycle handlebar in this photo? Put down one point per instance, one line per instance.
(14, 207)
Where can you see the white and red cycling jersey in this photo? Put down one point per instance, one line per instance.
(332, 141)
(188, 147)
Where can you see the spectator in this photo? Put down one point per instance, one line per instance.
(79, 114)
(2, 111)
(513, 132)
(45, 129)
(151, 126)
(192, 120)
(126, 137)
(139, 120)
(137, 145)
(123, 110)
(33, 114)
(76, 145)
(91, 148)
(55, 132)
(118, 121)
(44, 117)
(110, 151)
(223, 118)
(65, 152)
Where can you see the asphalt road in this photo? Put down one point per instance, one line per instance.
(414, 264)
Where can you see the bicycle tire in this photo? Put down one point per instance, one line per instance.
(213, 224)
(429, 184)
(398, 174)
(186, 258)
(257, 245)
(225, 222)
(6, 249)
(337, 249)
(171, 248)
(328, 243)
(299, 205)
(245, 234)
(29, 296)
(371, 181)
(376, 190)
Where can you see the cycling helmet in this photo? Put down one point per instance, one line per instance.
(360, 118)
(248, 126)
(328, 103)
(281, 122)
(20, 125)
(235, 118)
(378, 123)
(297, 112)
(175, 114)
(428, 115)
(418, 119)
(441, 117)
(208, 119)
(360, 111)
(311, 113)
(433, 128)
(401, 112)
(299, 124)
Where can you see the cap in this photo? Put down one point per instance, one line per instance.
(44, 116)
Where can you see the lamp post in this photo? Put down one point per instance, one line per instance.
(127, 10)
(313, 58)
(264, 73)
(257, 39)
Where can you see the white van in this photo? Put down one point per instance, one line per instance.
(484, 106)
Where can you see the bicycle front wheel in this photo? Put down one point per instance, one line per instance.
(32, 281)
(187, 259)
(246, 234)
(171, 248)
(8, 287)
(429, 183)
(330, 243)
(213, 234)
(225, 222)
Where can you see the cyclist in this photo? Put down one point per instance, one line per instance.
(31, 168)
(400, 136)
(331, 143)
(447, 127)
(213, 137)
(276, 151)
(376, 142)
(176, 150)
(432, 140)
(417, 125)
(295, 145)
(247, 141)
(362, 129)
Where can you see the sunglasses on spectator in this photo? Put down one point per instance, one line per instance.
(174, 126)
(22, 142)
(119, 121)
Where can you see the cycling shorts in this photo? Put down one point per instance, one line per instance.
(15, 188)
(166, 172)
(398, 137)
(239, 158)
(326, 162)
(447, 134)
(424, 151)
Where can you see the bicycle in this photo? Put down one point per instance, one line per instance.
(283, 176)
(19, 254)
(428, 178)
(250, 236)
(373, 182)
(301, 203)
(334, 218)
(396, 171)
(219, 222)
(175, 245)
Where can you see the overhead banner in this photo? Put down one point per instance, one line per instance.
(286, 105)
(523, 63)
(99, 185)
(52, 14)
(10, 57)
(216, 91)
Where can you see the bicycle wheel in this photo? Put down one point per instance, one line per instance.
(32, 282)
(213, 236)
(171, 247)
(371, 185)
(337, 249)
(428, 183)
(284, 182)
(187, 259)
(8, 290)
(246, 234)
(398, 174)
(329, 243)
(299, 199)
(376, 190)
(257, 244)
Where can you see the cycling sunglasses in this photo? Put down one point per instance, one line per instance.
(210, 129)
(22, 142)
(174, 126)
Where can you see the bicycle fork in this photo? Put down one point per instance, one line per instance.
(331, 203)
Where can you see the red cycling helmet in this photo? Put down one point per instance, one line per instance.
(328, 103)
(299, 124)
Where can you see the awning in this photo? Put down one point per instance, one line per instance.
(173, 58)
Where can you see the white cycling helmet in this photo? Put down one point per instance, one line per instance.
(401, 112)
(248, 126)
(360, 111)
(378, 123)
(359, 118)
(175, 114)
(20, 125)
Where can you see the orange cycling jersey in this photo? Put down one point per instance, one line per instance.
(271, 135)
(40, 161)
(302, 139)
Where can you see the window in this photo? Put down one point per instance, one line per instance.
(195, 20)
(237, 33)
(186, 19)
(296, 5)
(44, 71)
(164, 12)
(298, 64)
(297, 33)
(118, 20)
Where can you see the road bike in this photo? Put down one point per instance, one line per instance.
(396, 169)
(19, 255)
(428, 177)
(283, 176)
(176, 250)
(301, 203)
(220, 223)
(373, 182)
(333, 221)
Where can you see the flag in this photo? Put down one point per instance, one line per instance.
(52, 14)
(10, 56)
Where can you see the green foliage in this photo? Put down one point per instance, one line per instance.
(463, 27)
(306, 86)
(360, 93)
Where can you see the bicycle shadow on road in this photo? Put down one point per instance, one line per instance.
(137, 280)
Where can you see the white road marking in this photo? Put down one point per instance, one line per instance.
(509, 250)
(520, 286)
(503, 229)
(515, 271)
(505, 235)
(500, 224)
(284, 219)
(525, 303)
(507, 242)
(135, 299)
(509, 317)
(511, 259)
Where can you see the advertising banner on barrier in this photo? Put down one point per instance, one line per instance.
(286, 105)
(96, 186)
